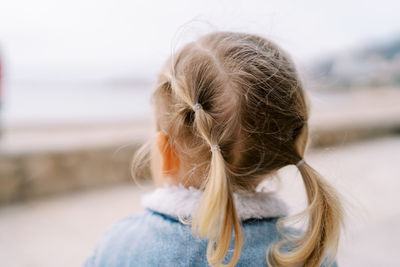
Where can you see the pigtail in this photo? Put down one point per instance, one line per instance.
(321, 238)
(216, 215)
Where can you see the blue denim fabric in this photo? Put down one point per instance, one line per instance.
(154, 239)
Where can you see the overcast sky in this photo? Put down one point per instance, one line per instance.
(83, 40)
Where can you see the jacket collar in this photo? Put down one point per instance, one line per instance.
(181, 202)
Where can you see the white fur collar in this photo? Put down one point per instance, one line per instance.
(181, 202)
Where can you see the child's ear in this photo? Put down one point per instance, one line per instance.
(169, 160)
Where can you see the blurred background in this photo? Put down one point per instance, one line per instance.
(75, 82)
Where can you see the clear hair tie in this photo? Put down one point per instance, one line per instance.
(197, 106)
(300, 162)
(215, 147)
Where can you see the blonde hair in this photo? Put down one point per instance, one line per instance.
(233, 106)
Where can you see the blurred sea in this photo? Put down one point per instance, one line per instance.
(32, 105)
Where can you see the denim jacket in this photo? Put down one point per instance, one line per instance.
(157, 237)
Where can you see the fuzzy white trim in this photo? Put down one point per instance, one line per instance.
(181, 202)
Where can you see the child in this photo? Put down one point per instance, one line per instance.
(230, 111)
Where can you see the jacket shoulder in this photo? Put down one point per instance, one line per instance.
(110, 242)
(146, 239)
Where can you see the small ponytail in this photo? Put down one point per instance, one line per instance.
(216, 215)
(320, 241)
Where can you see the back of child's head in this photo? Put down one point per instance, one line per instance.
(234, 110)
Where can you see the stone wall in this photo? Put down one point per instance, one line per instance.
(26, 176)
